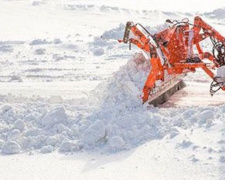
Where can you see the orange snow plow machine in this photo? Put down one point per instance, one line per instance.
(174, 52)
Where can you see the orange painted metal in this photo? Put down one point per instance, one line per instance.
(176, 43)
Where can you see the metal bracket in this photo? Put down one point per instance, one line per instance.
(127, 32)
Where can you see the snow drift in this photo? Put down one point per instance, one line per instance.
(113, 119)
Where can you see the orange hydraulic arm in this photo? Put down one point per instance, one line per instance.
(208, 31)
(137, 37)
(176, 45)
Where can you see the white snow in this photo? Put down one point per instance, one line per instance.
(10, 147)
(70, 91)
(221, 71)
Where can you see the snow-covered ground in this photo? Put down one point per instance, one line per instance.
(70, 103)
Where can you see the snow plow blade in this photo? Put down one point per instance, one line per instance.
(162, 93)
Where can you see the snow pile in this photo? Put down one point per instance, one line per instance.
(125, 86)
(37, 127)
(123, 122)
(114, 119)
(218, 14)
(38, 2)
(115, 33)
(107, 43)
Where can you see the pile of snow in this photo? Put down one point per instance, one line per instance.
(6, 49)
(115, 33)
(36, 42)
(217, 14)
(125, 86)
(38, 2)
(114, 119)
(126, 123)
(108, 41)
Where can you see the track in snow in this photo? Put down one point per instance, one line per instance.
(195, 94)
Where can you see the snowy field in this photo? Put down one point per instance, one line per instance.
(70, 104)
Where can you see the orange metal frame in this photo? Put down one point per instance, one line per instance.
(176, 43)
